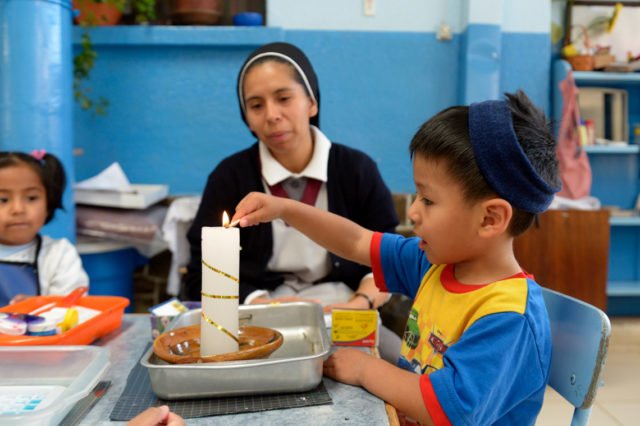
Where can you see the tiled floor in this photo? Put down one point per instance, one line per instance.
(618, 401)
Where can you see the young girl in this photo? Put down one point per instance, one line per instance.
(31, 188)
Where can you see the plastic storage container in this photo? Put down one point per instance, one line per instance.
(39, 385)
(110, 318)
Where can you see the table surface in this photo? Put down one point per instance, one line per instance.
(351, 404)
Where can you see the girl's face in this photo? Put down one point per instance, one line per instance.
(277, 107)
(23, 205)
(442, 218)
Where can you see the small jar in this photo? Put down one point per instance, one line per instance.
(43, 327)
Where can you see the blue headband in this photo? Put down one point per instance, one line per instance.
(501, 159)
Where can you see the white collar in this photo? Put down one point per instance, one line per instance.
(8, 251)
(273, 172)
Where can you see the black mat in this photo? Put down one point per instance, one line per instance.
(138, 396)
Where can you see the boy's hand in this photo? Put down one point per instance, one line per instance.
(357, 303)
(257, 208)
(347, 366)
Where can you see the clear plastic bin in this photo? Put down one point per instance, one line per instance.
(40, 384)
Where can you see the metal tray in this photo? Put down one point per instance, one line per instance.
(295, 367)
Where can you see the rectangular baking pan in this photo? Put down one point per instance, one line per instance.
(295, 367)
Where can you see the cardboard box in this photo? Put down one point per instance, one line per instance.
(355, 327)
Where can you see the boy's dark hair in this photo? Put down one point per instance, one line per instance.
(51, 173)
(446, 137)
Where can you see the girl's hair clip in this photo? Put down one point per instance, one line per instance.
(38, 154)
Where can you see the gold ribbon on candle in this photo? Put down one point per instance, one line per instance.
(219, 327)
(218, 271)
(217, 296)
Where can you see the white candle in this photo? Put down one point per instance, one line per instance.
(220, 274)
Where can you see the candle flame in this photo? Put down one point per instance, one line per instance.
(225, 219)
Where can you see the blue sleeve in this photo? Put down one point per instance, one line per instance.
(493, 374)
(403, 264)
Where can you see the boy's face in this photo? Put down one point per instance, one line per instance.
(443, 219)
(23, 205)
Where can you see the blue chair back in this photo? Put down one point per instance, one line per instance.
(580, 334)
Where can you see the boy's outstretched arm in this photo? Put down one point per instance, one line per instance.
(396, 386)
(340, 236)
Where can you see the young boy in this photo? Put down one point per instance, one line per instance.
(478, 335)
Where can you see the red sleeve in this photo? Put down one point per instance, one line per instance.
(430, 399)
(376, 265)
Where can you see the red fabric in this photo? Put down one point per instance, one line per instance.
(376, 265)
(437, 414)
(575, 171)
(449, 281)
(309, 196)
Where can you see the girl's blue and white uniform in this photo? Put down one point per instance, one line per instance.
(56, 267)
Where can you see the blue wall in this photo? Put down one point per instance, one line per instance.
(173, 113)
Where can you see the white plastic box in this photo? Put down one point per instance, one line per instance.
(39, 385)
(141, 196)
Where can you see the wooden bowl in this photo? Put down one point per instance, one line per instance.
(182, 345)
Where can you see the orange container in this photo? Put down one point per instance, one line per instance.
(110, 318)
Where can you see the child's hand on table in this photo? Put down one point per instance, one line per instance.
(347, 366)
(157, 416)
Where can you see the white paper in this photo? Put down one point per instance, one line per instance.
(110, 179)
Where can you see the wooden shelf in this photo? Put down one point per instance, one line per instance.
(623, 288)
(168, 35)
(624, 221)
(612, 149)
(607, 77)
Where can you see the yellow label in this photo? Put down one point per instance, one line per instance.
(354, 327)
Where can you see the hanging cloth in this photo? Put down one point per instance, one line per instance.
(19, 277)
(575, 171)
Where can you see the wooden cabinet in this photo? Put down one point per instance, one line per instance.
(569, 252)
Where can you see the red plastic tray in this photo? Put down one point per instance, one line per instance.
(109, 319)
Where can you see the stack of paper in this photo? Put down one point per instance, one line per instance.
(111, 188)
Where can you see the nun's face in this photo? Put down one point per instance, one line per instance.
(278, 108)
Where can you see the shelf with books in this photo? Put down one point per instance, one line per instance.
(615, 170)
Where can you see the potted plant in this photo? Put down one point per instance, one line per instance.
(100, 13)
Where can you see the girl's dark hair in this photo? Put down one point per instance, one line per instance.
(446, 137)
(51, 173)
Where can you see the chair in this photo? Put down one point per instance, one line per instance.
(580, 335)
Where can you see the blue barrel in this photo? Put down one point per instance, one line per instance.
(111, 269)
(36, 95)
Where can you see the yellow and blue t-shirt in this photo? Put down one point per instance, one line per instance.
(484, 351)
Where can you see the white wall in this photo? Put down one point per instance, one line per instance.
(409, 15)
